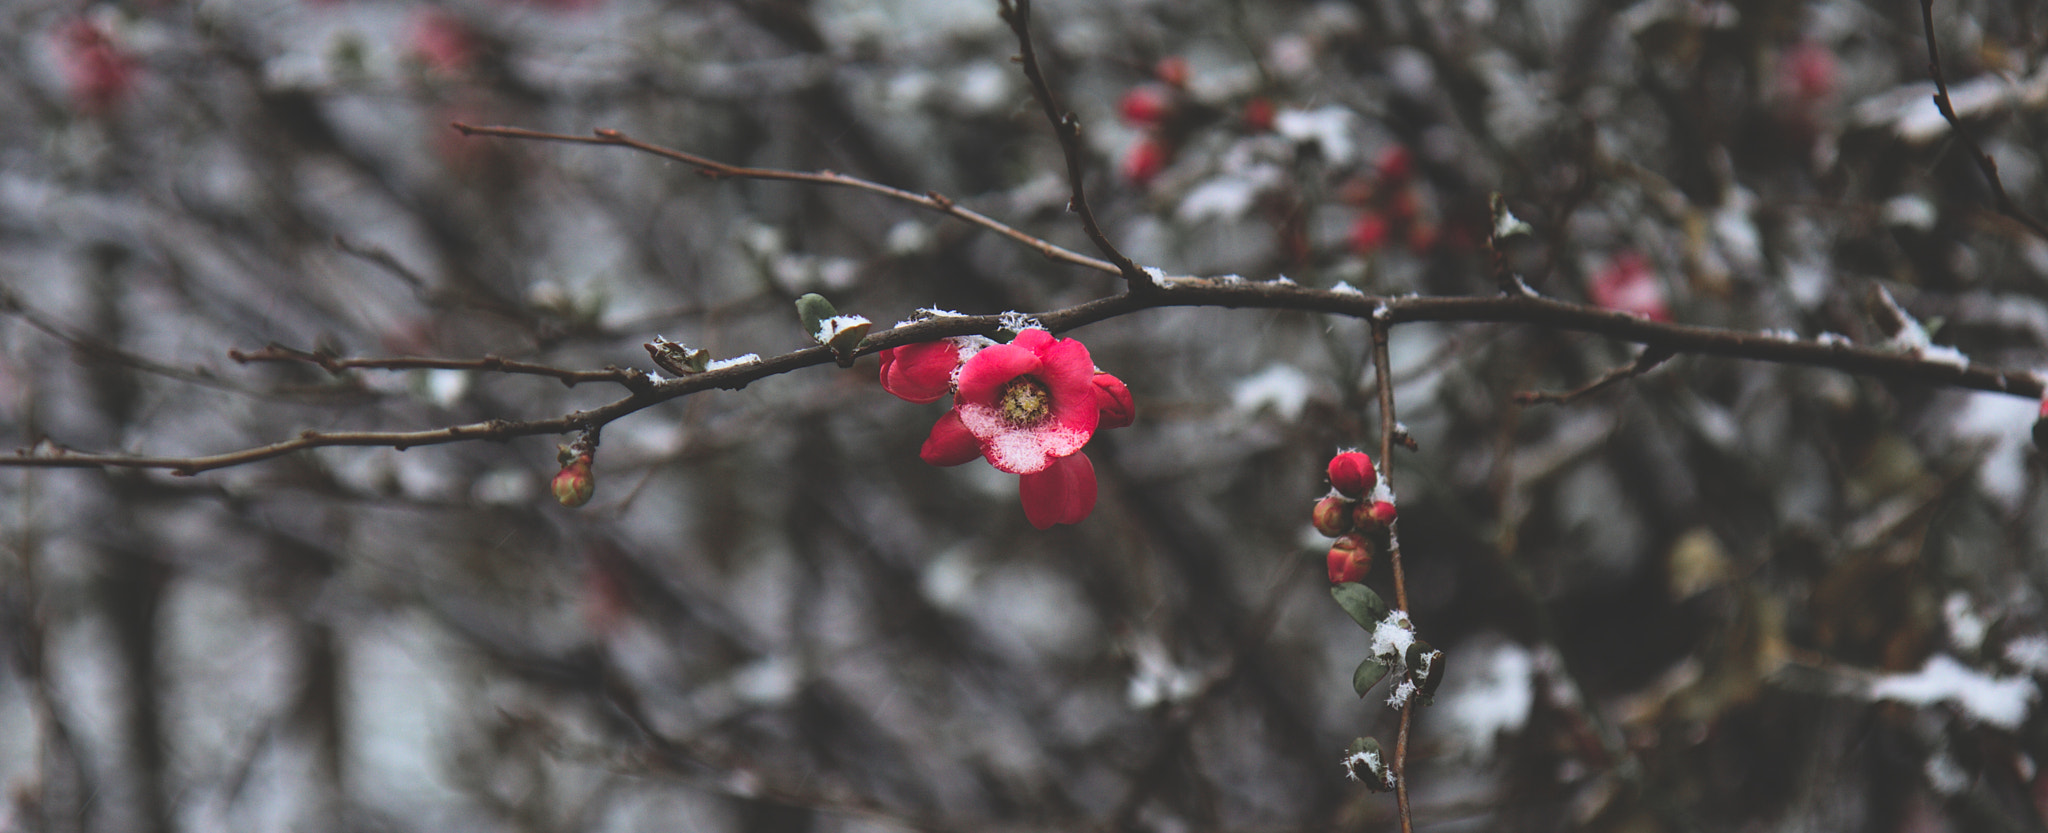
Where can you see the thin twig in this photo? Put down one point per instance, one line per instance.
(1068, 129)
(103, 350)
(1388, 427)
(1985, 163)
(1645, 362)
(631, 378)
(716, 170)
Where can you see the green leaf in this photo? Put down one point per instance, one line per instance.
(1369, 674)
(813, 309)
(1365, 607)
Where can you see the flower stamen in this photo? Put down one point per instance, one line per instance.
(1024, 401)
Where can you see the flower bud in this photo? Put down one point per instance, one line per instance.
(920, 372)
(1352, 474)
(1349, 560)
(1332, 516)
(1115, 402)
(575, 483)
(1374, 514)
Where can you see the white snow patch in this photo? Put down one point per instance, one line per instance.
(1281, 387)
(1965, 627)
(1156, 678)
(1392, 635)
(1781, 335)
(736, 361)
(1015, 449)
(1223, 198)
(1283, 280)
(2007, 423)
(2002, 702)
(2029, 652)
(1494, 698)
(1834, 340)
(1909, 211)
(1328, 127)
(1018, 322)
(830, 328)
(1345, 288)
(1398, 697)
(1944, 354)
(1945, 775)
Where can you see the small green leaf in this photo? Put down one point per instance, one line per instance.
(813, 309)
(1365, 607)
(1369, 674)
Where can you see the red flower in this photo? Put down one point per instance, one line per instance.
(920, 372)
(1627, 285)
(1029, 401)
(1114, 400)
(1027, 407)
(1351, 473)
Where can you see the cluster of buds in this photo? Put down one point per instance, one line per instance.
(1354, 514)
(1395, 209)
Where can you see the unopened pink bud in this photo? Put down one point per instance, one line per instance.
(575, 483)
(1350, 559)
(1377, 514)
(1351, 474)
(1332, 516)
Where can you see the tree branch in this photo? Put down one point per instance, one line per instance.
(1645, 362)
(631, 378)
(1178, 292)
(1985, 163)
(718, 170)
(1389, 426)
(1068, 129)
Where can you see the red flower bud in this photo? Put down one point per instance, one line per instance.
(1115, 401)
(1351, 474)
(575, 483)
(1144, 161)
(1258, 115)
(1332, 516)
(1395, 164)
(1172, 69)
(1369, 233)
(1144, 106)
(920, 372)
(1383, 512)
(1349, 560)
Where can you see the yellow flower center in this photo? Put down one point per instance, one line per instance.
(1024, 401)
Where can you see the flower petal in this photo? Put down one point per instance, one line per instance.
(920, 372)
(1114, 400)
(983, 377)
(1064, 493)
(950, 443)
